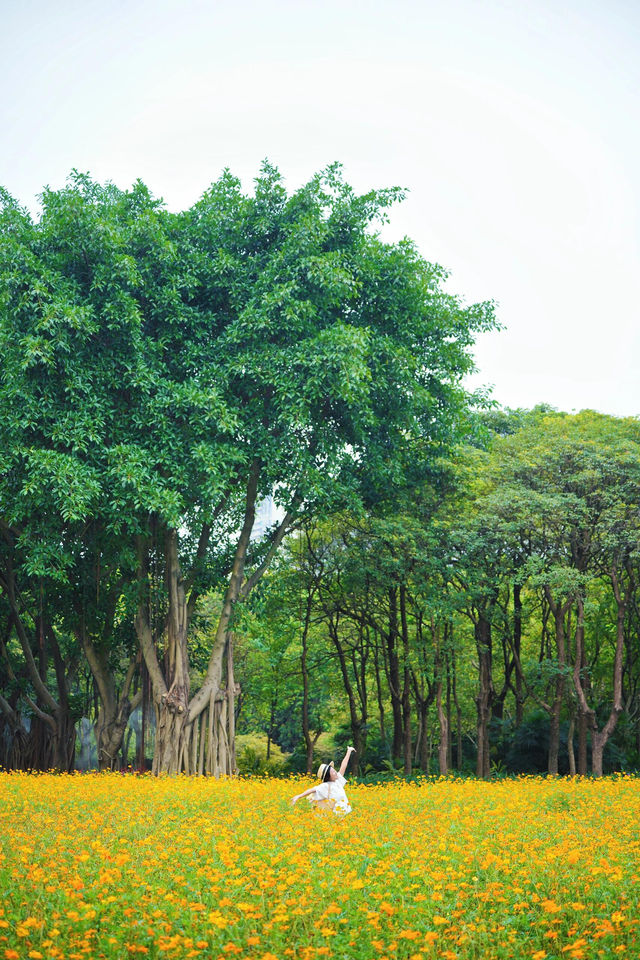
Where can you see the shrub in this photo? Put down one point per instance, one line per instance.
(251, 756)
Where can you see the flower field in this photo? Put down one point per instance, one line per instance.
(115, 866)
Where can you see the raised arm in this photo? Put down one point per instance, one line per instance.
(345, 762)
(299, 796)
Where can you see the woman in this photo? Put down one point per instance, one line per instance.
(329, 794)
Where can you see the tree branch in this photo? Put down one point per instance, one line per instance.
(10, 713)
(34, 673)
(143, 627)
(277, 537)
(40, 713)
(211, 681)
(97, 667)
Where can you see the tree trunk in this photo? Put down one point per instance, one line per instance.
(110, 732)
(357, 717)
(115, 710)
(443, 726)
(599, 738)
(448, 714)
(177, 733)
(571, 754)
(598, 742)
(393, 676)
(443, 729)
(231, 706)
(558, 611)
(406, 686)
(380, 698)
(423, 702)
(583, 719)
(13, 735)
(425, 752)
(51, 741)
(173, 705)
(309, 741)
(454, 691)
(517, 642)
(482, 630)
(236, 589)
(583, 727)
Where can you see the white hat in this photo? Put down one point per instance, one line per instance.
(323, 771)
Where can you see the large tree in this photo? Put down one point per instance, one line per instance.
(166, 372)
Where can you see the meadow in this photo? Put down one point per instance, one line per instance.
(115, 866)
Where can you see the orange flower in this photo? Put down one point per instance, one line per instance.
(281, 881)
(574, 946)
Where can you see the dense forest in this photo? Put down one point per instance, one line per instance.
(249, 512)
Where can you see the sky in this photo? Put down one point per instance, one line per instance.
(513, 126)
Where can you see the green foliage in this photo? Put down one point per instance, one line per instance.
(149, 356)
(251, 756)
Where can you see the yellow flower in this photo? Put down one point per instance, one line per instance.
(180, 867)
(550, 906)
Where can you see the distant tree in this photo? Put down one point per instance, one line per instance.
(576, 490)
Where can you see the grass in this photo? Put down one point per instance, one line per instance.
(114, 866)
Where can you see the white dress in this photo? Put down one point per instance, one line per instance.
(331, 796)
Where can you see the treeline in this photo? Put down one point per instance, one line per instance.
(436, 579)
(490, 619)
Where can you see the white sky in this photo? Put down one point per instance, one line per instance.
(513, 124)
